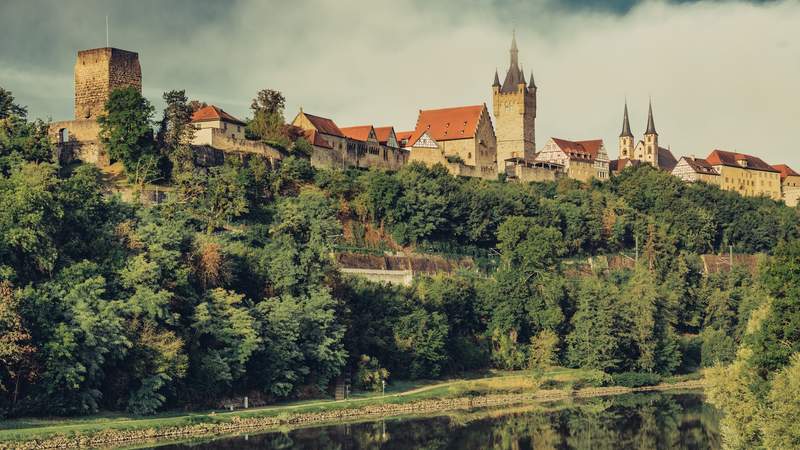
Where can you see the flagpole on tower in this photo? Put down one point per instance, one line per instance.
(107, 44)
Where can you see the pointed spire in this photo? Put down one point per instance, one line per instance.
(651, 126)
(521, 75)
(496, 79)
(532, 84)
(514, 52)
(626, 125)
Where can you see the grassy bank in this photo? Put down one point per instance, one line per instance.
(496, 388)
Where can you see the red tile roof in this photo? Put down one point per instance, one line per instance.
(359, 133)
(700, 166)
(212, 112)
(323, 125)
(404, 136)
(383, 134)
(315, 139)
(579, 150)
(785, 171)
(448, 123)
(731, 159)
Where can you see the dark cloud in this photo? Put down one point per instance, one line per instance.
(722, 74)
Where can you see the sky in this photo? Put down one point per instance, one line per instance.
(721, 74)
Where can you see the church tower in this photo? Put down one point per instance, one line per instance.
(626, 137)
(514, 105)
(651, 140)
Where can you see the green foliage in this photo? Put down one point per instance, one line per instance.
(126, 132)
(176, 131)
(370, 376)
(543, 353)
(268, 122)
(635, 379)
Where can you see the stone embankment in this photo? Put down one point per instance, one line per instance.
(236, 424)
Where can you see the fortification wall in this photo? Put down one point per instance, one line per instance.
(78, 140)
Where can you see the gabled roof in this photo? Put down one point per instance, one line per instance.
(785, 171)
(700, 166)
(448, 124)
(315, 139)
(384, 133)
(618, 165)
(358, 133)
(211, 113)
(404, 136)
(731, 159)
(666, 160)
(579, 150)
(324, 125)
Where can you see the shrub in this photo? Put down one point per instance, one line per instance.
(636, 379)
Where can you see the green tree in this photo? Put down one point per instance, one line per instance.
(126, 131)
(597, 335)
(268, 123)
(176, 131)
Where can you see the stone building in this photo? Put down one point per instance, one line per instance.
(98, 72)
(746, 174)
(514, 108)
(218, 133)
(360, 146)
(691, 169)
(461, 139)
(790, 184)
(646, 150)
(521, 170)
(582, 160)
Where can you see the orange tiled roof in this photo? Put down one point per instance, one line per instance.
(579, 150)
(700, 166)
(785, 171)
(324, 125)
(448, 124)
(315, 139)
(212, 112)
(724, 158)
(359, 133)
(383, 133)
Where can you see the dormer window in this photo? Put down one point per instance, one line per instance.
(742, 162)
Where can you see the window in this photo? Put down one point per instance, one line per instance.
(63, 135)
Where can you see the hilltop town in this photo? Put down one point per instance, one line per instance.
(469, 141)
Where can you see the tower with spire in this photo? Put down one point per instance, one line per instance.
(626, 137)
(650, 153)
(514, 107)
(646, 150)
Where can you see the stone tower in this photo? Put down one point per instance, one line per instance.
(514, 104)
(650, 140)
(98, 72)
(626, 137)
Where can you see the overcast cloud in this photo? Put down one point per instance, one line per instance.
(722, 74)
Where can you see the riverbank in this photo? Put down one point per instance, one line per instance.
(504, 390)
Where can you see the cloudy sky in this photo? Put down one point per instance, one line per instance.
(722, 74)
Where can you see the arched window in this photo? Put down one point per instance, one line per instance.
(63, 135)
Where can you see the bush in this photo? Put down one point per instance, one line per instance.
(370, 375)
(636, 379)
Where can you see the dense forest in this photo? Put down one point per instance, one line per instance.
(229, 286)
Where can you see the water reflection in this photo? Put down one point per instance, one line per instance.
(635, 421)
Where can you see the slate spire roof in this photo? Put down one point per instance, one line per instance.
(496, 79)
(651, 126)
(532, 84)
(514, 75)
(626, 125)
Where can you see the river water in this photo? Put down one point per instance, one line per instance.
(632, 421)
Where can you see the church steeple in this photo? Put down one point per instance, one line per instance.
(514, 75)
(626, 125)
(651, 126)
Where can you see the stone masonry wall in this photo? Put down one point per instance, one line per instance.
(98, 72)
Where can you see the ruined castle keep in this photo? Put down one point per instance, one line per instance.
(97, 73)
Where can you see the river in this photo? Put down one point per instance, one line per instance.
(631, 421)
